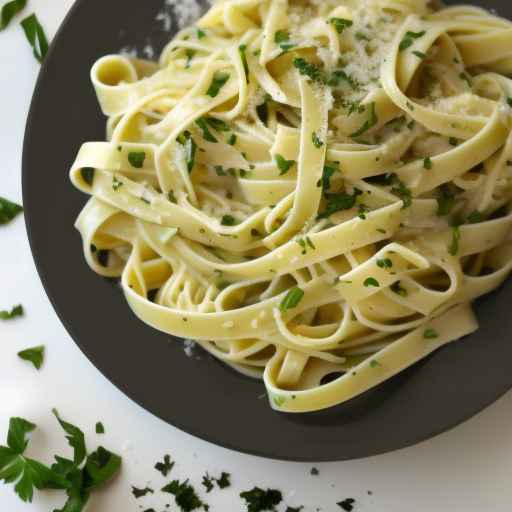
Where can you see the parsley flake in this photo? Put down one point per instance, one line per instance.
(283, 164)
(340, 24)
(166, 466)
(13, 313)
(258, 500)
(369, 123)
(87, 174)
(185, 496)
(35, 35)
(305, 68)
(384, 263)
(292, 299)
(339, 202)
(207, 135)
(427, 163)
(140, 493)
(33, 355)
(100, 429)
(397, 288)
(347, 505)
(453, 249)
(430, 334)
(8, 210)
(409, 38)
(371, 281)
(190, 147)
(116, 184)
(136, 159)
(9, 10)
(317, 142)
(218, 81)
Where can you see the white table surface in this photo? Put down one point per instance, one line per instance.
(468, 469)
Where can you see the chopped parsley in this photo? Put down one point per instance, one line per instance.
(445, 202)
(165, 467)
(374, 363)
(190, 147)
(228, 220)
(361, 36)
(305, 68)
(136, 159)
(207, 483)
(339, 76)
(13, 313)
(207, 134)
(465, 78)
(185, 496)
(232, 139)
(201, 34)
(419, 54)
(453, 141)
(9, 10)
(282, 39)
(317, 142)
(87, 174)
(116, 184)
(8, 210)
(401, 190)
(295, 509)
(325, 180)
(339, 202)
(362, 210)
(224, 480)
(384, 263)
(305, 243)
(475, 217)
(340, 24)
(100, 429)
(243, 57)
(218, 81)
(258, 500)
(217, 124)
(409, 38)
(35, 35)
(347, 505)
(33, 355)
(453, 249)
(190, 55)
(283, 164)
(369, 123)
(292, 299)
(397, 288)
(140, 493)
(509, 101)
(314, 471)
(427, 163)
(371, 281)
(430, 334)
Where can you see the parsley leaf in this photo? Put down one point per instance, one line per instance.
(241, 50)
(116, 184)
(100, 429)
(9, 10)
(100, 467)
(87, 174)
(282, 38)
(75, 437)
(8, 210)
(140, 493)
(224, 480)
(369, 123)
(283, 164)
(409, 38)
(371, 281)
(190, 55)
(166, 466)
(201, 34)
(228, 220)
(217, 124)
(339, 202)
(430, 334)
(445, 202)
(453, 249)
(136, 159)
(307, 69)
(34, 355)
(347, 505)
(397, 288)
(27, 473)
(258, 499)
(207, 483)
(207, 134)
(34, 32)
(340, 24)
(9, 315)
(292, 299)
(475, 217)
(427, 163)
(401, 191)
(317, 142)
(218, 81)
(190, 146)
(184, 495)
(325, 180)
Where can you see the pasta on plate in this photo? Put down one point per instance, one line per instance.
(315, 191)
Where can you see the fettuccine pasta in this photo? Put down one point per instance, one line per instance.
(314, 191)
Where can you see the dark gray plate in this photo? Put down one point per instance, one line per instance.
(202, 396)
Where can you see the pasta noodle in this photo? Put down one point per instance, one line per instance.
(315, 191)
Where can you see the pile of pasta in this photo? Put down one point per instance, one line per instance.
(314, 191)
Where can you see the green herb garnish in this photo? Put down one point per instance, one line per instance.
(9, 10)
(190, 55)
(228, 220)
(339, 202)
(232, 139)
(283, 164)
(116, 184)
(409, 38)
(100, 429)
(453, 249)
(8, 210)
(136, 159)
(224, 481)
(165, 467)
(475, 217)
(325, 180)
(258, 500)
(207, 134)
(34, 32)
(340, 24)
(369, 123)
(347, 505)
(87, 174)
(307, 69)
(427, 163)
(371, 281)
(419, 54)
(317, 142)
(34, 355)
(430, 334)
(292, 299)
(241, 50)
(445, 202)
(384, 263)
(282, 39)
(140, 493)
(374, 363)
(185, 496)
(201, 33)
(218, 81)
(190, 146)
(207, 483)
(396, 288)
(13, 313)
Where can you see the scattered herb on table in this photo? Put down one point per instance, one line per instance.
(258, 499)
(33, 355)
(409, 38)
(207, 483)
(185, 496)
(8, 210)
(369, 123)
(165, 467)
(314, 471)
(13, 313)
(36, 36)
(9, 10)
(87, 174)
(347, 504)
(100, 429)
(140, 493)
(371, 281)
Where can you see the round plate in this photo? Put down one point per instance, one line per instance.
(198, 394)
